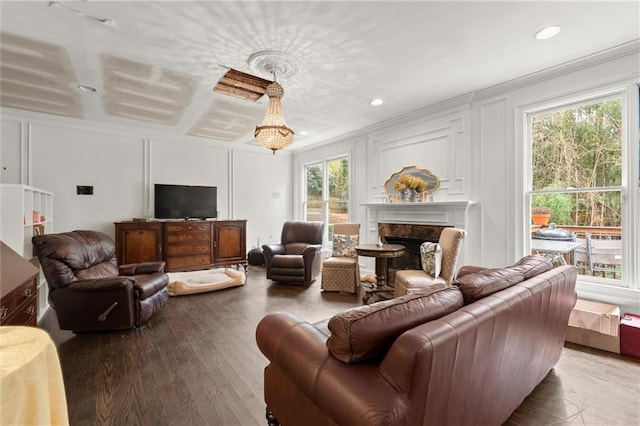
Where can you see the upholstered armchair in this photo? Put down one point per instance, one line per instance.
(89, 291)
(411, 281)
(297, 258)
(341, 271)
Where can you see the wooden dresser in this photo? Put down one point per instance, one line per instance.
(18, 289)
(185, 245)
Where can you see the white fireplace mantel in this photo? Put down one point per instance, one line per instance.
(446, 213)
(431, 205)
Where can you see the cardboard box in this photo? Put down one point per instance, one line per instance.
(593, 339)
(630, 335)
(596, 325)
(596, 316)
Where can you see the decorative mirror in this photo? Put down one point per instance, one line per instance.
(411, 184)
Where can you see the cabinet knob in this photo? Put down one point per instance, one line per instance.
(5, 312)
(31, 310)
(28, 292)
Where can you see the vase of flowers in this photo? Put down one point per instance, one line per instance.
(410, 188)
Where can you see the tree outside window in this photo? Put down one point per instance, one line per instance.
(577, 167)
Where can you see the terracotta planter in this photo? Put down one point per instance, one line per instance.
(540, 218)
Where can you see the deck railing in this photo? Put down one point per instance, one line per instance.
(599, 252)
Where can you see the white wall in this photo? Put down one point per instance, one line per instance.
(62, 158)
(10, 152)
(262, 193)
(123, 164)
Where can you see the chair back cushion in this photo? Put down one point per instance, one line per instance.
(450, 241)
(75, 255)
(302, 232)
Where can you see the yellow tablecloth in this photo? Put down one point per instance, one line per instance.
(31, 385)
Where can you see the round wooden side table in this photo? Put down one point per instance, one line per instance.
(382, 254)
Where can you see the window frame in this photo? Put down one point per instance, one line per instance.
(629, 202)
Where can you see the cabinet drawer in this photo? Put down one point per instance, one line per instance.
(187, 238)
(187, 227)
(187, 261)
(181, 250)
(27, 315)
(11, 302)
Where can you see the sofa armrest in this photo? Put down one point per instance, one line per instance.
(355, 394)
(141, 268)
(270, 250)
(295, 345)
(101, 284)
(311, 250)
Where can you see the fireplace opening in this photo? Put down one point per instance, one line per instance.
(411, 236)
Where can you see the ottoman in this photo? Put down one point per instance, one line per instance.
(341, 274)
(255, 257)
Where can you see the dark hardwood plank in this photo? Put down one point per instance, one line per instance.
(197, 363)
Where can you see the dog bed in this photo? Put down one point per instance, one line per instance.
(182, 283)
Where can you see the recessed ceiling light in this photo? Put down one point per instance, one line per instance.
(85, 88)
(548, 32)
(303, 132)
(376, 101)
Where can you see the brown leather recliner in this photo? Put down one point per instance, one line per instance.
(297, 257)
(87, 289)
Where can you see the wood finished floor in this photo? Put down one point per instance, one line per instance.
(196, 363)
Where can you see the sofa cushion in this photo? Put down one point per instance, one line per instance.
(484, 283)
(431, 258)
(532, 265)
(344, 245)
(367, 332)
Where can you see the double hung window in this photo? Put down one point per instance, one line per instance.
(577, 174)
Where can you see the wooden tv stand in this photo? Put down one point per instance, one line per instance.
(184, 245)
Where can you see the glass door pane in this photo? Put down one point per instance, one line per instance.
(338, 191)
(314, 190)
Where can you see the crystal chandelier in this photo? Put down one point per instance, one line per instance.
(273, 133)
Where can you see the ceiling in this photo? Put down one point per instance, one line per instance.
(155, 64)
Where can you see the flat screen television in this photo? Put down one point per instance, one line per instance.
(185, 201)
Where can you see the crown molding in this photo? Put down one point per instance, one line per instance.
(603, 56)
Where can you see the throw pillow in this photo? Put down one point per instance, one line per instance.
(486, 282)
(431, 257)
(366, 332)
(344, 245)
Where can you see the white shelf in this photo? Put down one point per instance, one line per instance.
(25, 211)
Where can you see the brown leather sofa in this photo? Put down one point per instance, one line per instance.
(87, 289)
(297, 258)
(462, 354)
